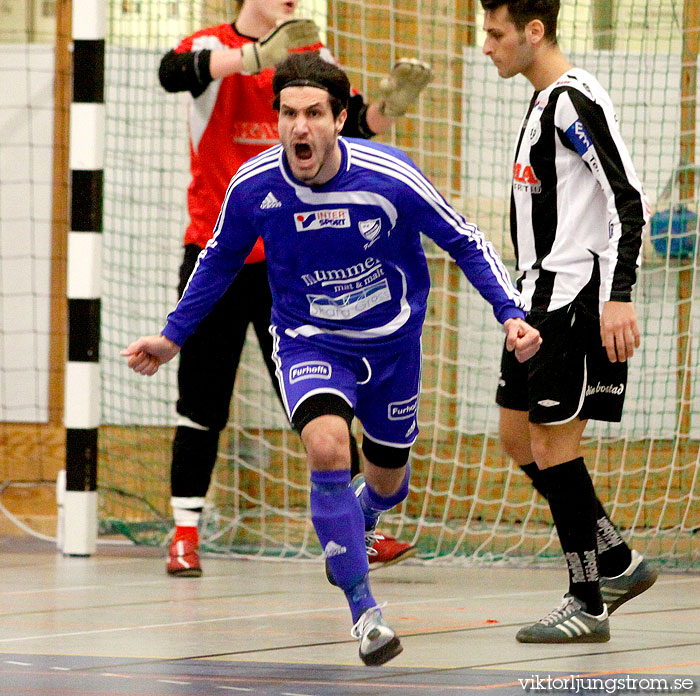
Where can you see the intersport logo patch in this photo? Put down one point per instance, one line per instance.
(317, 219)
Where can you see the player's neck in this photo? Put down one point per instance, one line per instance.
(549, 65)
(330, 167)
(251, 23)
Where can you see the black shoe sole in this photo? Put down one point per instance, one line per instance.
(384, 654)
(586, 638)
(186, 573)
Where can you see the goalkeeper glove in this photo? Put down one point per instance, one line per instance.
(274, 46)
(400, 89)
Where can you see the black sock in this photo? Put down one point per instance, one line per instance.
(572, 501)
(614, 556)
(194, 457)
(536, 478)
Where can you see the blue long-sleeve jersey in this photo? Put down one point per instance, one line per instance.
(345, 260)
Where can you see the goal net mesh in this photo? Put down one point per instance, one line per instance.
(467, 501)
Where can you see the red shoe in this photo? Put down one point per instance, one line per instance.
(183, 560)
(383, 550)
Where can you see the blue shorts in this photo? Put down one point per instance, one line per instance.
(382, 390)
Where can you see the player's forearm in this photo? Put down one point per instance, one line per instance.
(377, 122)
(203, 291)
(216, 268)
(624, 248)
(206, 286)
(624, 276)
(628, 255)
(225, 62)
(480, 263)
(486, 272)
(193, 71)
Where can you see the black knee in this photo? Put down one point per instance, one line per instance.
(385, 456)
(323, 404)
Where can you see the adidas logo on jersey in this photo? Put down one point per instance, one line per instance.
(270, 202)
(333, 549)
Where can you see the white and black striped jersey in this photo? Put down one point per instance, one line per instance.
(345, 261)
(577, 205)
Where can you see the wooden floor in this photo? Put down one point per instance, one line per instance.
(114, 623)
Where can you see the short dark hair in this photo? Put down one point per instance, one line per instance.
(522, 12)
(308, 69)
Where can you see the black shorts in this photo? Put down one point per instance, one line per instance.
(210, 356)
(570, 376)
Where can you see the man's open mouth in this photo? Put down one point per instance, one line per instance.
(302, 151)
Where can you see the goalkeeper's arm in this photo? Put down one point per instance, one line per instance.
(193, 71)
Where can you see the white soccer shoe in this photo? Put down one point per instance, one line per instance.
(378, 641)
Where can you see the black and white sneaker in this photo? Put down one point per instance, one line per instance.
(568, 623)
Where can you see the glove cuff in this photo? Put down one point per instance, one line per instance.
(250, 59)
(388, 112)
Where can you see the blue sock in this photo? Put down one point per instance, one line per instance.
(337, 519)
(360, 598)
(373, 504)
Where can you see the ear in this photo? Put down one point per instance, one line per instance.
(534, 31)
(340, 121)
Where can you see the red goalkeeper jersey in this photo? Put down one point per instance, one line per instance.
(230, 122)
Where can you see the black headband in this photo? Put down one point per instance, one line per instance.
(304, 82)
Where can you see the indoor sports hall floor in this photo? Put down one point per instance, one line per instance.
(114, 623)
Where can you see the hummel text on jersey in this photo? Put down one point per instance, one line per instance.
(347, 275)
(524, 179)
